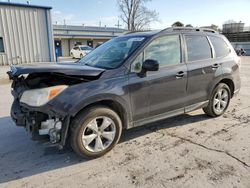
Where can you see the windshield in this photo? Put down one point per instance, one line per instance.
(112, 54)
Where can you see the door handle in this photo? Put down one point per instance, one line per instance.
(215, 66)
(179, 75)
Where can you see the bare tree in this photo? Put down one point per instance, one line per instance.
(136, 15)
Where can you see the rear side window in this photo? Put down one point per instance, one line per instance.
(220, 46)
(1, 45)
(85, 48)
(198, 48)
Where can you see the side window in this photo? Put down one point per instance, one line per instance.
(220, 47)
(76, 48)
(1, 45)
(137, 64)
(85, 48)
(166, 50)
(198, 48)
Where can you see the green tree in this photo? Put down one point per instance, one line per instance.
(177, 24)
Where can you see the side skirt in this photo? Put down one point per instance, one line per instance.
(170, 114)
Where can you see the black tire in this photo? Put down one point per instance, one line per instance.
(72, 55)
(81, 56)
(210, 109)
(80, 123)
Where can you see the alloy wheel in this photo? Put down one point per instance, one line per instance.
(220, 101)
(99, 134)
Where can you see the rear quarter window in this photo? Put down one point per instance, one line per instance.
(220, 46)
(198, 48)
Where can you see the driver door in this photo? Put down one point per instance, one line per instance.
(139, 91)
(159, 93)
(168, 85)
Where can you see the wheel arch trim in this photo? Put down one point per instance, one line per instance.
(114, 102)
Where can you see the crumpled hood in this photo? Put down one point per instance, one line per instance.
(72, 69)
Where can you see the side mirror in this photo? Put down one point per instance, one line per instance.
(150, 65)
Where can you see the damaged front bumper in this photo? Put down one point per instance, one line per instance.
(42, 123)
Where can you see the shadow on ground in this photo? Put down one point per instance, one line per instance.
(21, 157)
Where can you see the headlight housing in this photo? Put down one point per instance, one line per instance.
(39, 97)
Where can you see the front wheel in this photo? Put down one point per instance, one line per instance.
(95, 132)
(219, 101)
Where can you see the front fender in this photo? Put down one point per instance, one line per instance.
(77, 97)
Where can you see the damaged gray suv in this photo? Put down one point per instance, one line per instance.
(129, 81)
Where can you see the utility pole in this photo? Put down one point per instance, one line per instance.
(118, 24)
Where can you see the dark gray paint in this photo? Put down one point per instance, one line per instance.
(144, 99)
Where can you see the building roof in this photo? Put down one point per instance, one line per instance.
(88, 28)
(23, 5)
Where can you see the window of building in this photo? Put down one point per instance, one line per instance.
(220, 47)
(166, 50)
(1, 45)
(198, 48)
(78, 43)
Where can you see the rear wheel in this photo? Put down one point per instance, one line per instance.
(72, 55)
(81, 56)
(95, 132)
(219, 101)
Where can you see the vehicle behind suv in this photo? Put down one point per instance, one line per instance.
(80, 51)
(129, 81)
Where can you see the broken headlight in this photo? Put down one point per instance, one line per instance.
(39, 97)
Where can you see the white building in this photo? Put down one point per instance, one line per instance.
(25, 34)
(68, 36)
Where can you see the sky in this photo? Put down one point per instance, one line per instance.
(194, 12)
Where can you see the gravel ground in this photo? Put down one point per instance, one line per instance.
(3, 75)
(190, 150)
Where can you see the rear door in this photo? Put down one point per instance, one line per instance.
(202, 68)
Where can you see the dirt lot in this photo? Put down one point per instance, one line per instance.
(191, 150)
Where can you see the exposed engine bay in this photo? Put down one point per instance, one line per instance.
(40, 121)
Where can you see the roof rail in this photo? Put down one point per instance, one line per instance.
(188, 29)
(131, 32)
